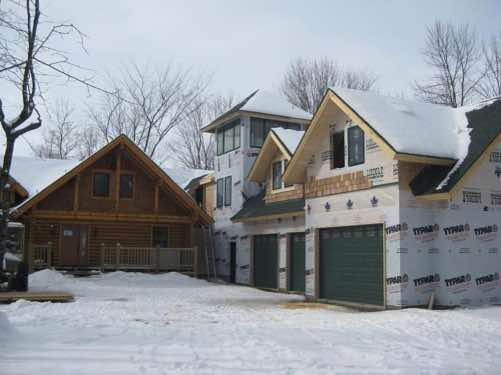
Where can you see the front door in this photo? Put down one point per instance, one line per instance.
(73, 245)
(233, 262)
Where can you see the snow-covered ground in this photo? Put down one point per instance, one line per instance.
(125, 323)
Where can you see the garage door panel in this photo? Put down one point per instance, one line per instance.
(351, 264)
(266, 261)
(297, 261)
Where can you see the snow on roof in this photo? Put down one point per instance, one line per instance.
(35, 174)
(183, 176)
(410, 127)
(267, 102)
(289, 137)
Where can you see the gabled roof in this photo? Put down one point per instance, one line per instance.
(405, 130)
(278, 139)
(61, 171)
(484, 128)
(256, 208)
(262, 102)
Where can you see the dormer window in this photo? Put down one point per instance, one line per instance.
(337, 150)
(276, 175)
(277, 171)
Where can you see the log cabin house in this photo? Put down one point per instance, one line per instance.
(116, 209)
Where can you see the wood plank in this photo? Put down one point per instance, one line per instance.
(9, 297)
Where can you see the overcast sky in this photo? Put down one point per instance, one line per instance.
(247, 45)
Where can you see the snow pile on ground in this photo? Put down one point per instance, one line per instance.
(47, 278)
(130, 323)
(5, 326)
(290, 138)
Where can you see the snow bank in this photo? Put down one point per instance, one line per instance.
(5, 326)
(47, 278)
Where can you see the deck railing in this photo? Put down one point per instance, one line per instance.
(182, 259)
(41, 256)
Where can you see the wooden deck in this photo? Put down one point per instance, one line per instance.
(9, 297)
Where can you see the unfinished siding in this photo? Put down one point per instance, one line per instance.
(453, 248)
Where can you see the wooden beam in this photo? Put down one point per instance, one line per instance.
(103, 216)
(118, 171)
(270, 217)
(157, 198)
(76, 193)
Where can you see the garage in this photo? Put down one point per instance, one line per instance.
(296, 262)
(266, 261)
(351, 264)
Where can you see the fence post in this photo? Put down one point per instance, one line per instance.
(102, 257)
(29, 256)
(49, 254)
(157, 258)
(195, 261)
(117, 256)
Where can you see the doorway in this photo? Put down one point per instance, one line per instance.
(74, 245)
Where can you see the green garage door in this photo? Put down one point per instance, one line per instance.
(296, 262)
(266, 261)
(351, 264)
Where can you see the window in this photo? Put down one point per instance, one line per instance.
(160, 237)
(126, 186)
(276, 168)
(219, 192)
(228, 137)
(356, 146)
(285, 167)
(227, 191)
(220, 142)
(101, 185)
(337, 150)
(260, 128)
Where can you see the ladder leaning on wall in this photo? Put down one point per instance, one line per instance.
(210, 256)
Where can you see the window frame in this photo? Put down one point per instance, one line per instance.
(351, 129)
(92, 190)
(131, 174)
(221, 135)
(227, 195)
(219, 192)
(332, 151)
(277, 179)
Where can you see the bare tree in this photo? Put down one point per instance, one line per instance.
(89, 142)
(490, 85)
(305, 81)
(192, 148)
(29, 59)
(148, 105)
(453, 55)
(60, 139)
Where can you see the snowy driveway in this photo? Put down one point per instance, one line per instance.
(168, 324)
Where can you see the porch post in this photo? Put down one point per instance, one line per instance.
(157, 258)
(102, 257)
(195, 261)
(49, 254)
(117, 256)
